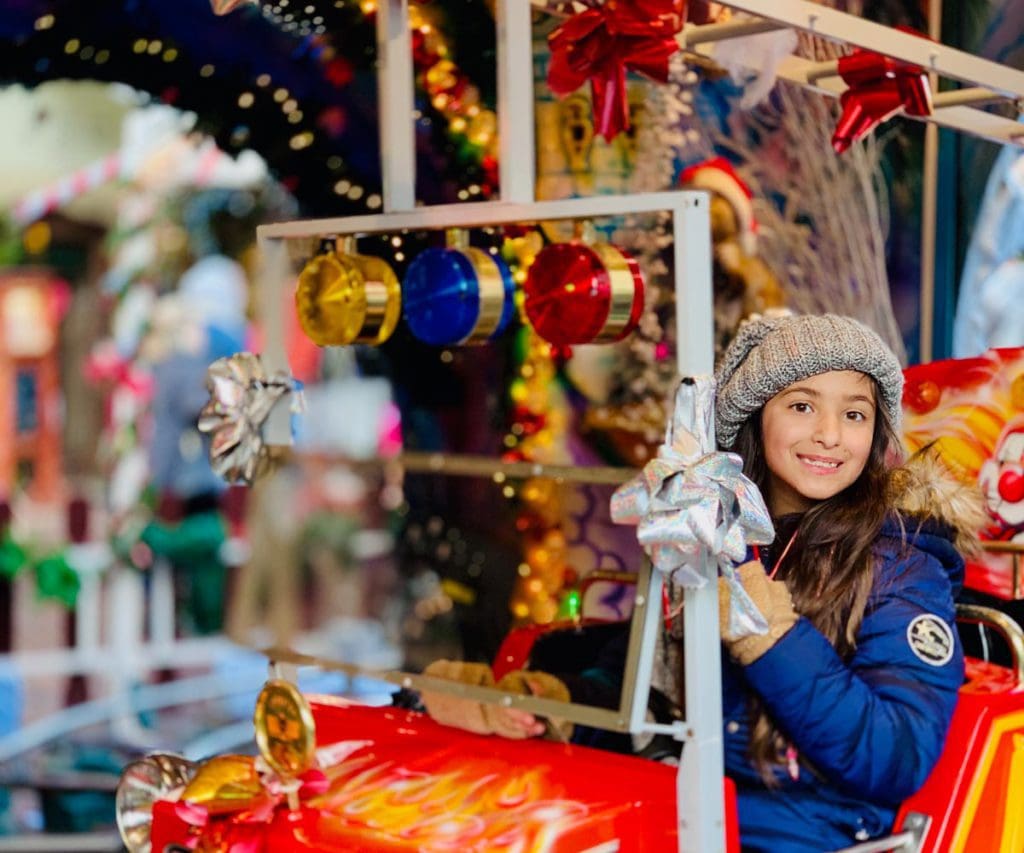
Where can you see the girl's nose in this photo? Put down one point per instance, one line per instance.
(827, 430)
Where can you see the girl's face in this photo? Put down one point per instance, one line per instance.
(817, 436)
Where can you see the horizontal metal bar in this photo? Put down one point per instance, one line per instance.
(965, 119)
(70, 780)
(587, 715)
(482, 214)
(852, 30)
(817, 70)
(970, 95)
(1003, 625)
(708, 33)
(844, 28)
(879, 845)
(951, 112)
(142, 698)
(1004, 547)
(464, 465)
(51, 842)
(129, 662)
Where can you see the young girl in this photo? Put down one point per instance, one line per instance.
(839, 712)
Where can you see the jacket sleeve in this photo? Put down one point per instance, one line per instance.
(876, 724)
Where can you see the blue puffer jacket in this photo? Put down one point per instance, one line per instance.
(868, 729)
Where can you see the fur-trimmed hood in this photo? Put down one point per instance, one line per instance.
(924, 488)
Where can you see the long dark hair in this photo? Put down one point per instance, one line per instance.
(830, 566)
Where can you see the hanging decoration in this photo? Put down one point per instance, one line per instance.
(330, 299)
(602, 42)
(458, 296)
(584, 294)
(383, 299)
(344, 298)
(880, 87)
(241, 397)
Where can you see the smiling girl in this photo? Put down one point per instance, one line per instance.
(840, 711)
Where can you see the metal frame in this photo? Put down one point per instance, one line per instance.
(1016, 552)
(1003, 625)
(701, 813)
(987, 81)
(395, 95)
(908, 840)
(395, 98)
(700, 798)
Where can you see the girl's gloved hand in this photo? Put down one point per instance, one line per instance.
(485, 719)
(516, 723)
(771, 598)
(450, 710)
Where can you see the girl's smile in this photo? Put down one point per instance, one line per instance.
(817, 437)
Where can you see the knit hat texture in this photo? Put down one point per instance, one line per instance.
(770, 353)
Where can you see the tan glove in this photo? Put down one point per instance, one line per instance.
(516, 723)
(450, 710)
(771, 598)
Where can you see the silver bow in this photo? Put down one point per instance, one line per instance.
(241, 397)
(693, 499)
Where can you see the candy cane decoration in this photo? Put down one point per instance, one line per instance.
(38, 204)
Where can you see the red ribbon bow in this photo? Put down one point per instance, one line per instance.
(880, 87)
(599, 44)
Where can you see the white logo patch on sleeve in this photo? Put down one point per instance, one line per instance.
(931, 639)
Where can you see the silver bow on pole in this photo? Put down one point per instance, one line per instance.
(692, 500)
(241, 397)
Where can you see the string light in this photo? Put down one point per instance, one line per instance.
(472, 128)
(238, 111)
(537, 434)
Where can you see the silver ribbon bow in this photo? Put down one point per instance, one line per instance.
(241, 397)
(692, 499)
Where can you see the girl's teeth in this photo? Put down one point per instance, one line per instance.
(818, 464)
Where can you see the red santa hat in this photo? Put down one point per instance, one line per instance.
(717, 175)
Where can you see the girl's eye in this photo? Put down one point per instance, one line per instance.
(856, 416)
(801, 407)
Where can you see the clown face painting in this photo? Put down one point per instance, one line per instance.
(1002, 481)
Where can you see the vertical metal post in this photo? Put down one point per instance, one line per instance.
(643, 640)
(699, 789)
(929, 203)
(694, 315)
(161, 603)
(395, 103)
(271, 279)
(516, 133)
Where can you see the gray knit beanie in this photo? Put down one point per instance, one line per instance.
(771, 353)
